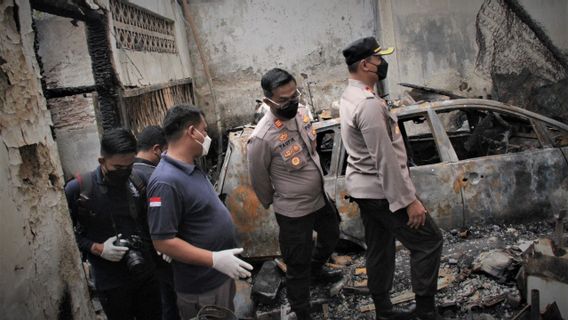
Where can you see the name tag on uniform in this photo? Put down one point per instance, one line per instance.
(310, 130)
(290, 151)
(284, 144)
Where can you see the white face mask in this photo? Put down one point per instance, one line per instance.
(205, 145)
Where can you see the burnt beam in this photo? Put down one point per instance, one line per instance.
(66, 8)
(69, 91)
(106, 81)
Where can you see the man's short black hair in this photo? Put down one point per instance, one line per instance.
(273, 79)
(179, 118)
(117, 141)
(151, 136)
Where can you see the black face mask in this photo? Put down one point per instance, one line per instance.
(118, 177)
(288, 111)
(382, 69)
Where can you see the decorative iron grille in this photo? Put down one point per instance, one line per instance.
(138, 29)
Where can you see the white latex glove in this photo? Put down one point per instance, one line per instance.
(165, 257)
(226, 262)
(111, 252)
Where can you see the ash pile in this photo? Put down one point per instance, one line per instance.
(507, 271)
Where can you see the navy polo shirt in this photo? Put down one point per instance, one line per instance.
(183, 204)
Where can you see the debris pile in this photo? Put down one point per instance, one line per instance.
(480, 278)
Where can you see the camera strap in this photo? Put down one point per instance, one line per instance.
(132, 206)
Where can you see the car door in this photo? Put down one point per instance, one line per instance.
(507, 170)
(432, 168)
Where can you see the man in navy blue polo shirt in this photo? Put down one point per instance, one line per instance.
(187, 220)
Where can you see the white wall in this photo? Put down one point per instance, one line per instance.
(552, 15)
(138, 68)
(244, 39)
(63, 51)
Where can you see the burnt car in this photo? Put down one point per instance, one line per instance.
(472, 161)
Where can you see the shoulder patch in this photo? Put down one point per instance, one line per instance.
(369, 94)
(261, 129)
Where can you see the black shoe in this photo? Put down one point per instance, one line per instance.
(325, 274)
(396, 313)
(431, 315)
(303, 315)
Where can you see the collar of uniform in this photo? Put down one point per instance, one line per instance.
(99, 175)
(185, 167)
(360, 84)
(143, 161)
(288, 124)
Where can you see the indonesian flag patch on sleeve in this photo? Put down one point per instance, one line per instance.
(155, 202)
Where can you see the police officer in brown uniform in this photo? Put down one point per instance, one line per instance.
(378, 180)
(285, 171)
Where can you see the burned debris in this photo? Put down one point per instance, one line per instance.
(487, 272)
(492, 174)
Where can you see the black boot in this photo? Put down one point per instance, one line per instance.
(324, 274)
(384, 309)
(394, 313)
(426, 315)
(303, 314)
(425, 309)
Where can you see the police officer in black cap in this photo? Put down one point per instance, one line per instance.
(378, 179)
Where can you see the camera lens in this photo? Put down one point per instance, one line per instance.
(136, 265)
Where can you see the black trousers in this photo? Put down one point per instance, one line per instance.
(297, 247)
(138, 300)
(382, 227)
(168, 294)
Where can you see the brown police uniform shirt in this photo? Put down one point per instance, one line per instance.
(376, 166)
(284, 166)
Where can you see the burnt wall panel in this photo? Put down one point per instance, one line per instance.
(150, 108)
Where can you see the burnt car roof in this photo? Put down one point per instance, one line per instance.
(438, 106)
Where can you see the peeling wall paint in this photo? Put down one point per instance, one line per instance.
(40, 269)
(76, 133)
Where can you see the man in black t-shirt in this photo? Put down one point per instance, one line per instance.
(103, 204)
(151, 144)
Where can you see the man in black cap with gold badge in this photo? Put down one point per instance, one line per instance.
(378, 180)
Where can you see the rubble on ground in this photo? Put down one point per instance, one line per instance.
(477, 278)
